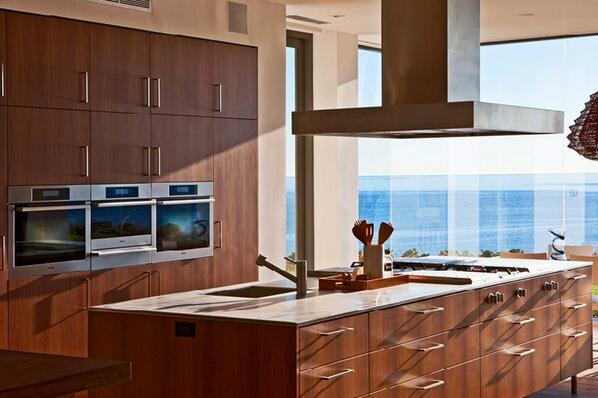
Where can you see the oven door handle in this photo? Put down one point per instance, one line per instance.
(122, 204)
(184, 202)
(50, 208)
(114, 252)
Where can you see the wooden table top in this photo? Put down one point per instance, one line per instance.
(24, 374)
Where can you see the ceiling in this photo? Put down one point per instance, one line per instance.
(501, 20)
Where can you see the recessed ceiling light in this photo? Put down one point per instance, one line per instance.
(338, 16)
(526, 14)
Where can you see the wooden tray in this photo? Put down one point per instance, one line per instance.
(340, 282)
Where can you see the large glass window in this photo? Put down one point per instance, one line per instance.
(291, 106)
(491, 194)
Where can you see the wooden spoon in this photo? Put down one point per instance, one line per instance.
(384, 233)
(359, 231)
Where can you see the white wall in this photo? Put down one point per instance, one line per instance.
(209, 19)
(335, 159)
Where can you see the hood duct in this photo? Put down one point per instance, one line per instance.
(430, 82)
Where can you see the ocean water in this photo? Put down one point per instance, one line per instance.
(472, 213)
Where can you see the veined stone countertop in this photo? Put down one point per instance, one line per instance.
(318, 306)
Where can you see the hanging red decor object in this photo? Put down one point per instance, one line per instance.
(584, 133)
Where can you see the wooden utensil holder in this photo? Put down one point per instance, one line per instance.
(373, 261)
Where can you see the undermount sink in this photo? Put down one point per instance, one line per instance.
(253, 291)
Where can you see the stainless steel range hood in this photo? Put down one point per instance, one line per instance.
(430, 82)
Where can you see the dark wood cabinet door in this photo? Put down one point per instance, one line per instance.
(3, 232)
(48, 146)
(48, 314)
(120, 69)
(48, 62)
(120, 284)
(181, 276)
(235, 192)
(120, 148)
(182, 76)
(2, 58)
(183, 148)
(235, 77)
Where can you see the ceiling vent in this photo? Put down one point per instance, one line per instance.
(139, 5)
(307, 19)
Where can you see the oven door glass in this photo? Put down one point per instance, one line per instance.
(49, 236)
(183, 226)
(121, 226)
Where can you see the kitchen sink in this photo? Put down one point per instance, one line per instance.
(255, 291)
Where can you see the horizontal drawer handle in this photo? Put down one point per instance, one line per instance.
(430, 310)
(431, 348)
(521, 353)
(577, 334)
(578, 277)
(336, 332)
(337, 375)
(523, 321)
(433, 384)
(577, 306)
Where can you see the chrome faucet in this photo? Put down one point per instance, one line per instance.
(300, 280)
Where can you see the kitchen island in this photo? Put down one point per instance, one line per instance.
(505, 336)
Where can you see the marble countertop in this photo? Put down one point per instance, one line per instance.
(317, 306)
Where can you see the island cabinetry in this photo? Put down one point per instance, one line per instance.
(409, 322)
(576, 283)
(576, 350)
(347, 378)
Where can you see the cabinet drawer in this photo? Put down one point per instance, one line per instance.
(503, 300)
(462, 381)
(576, 311)
(409, 322)
(577, 282)
(518, 328)
(332, 341)
(518, 372)
(417, 358)
(348, 378)
(576, 350)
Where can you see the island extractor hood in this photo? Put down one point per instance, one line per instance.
(430, 82)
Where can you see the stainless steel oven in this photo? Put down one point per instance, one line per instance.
(122, 225)
(184, 226)
(48, 230)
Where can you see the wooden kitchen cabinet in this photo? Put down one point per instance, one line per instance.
(120, 148)
(48, 146)
(181, 276)
(182, 149)
(48, 62)
(235, 210)
(576, 350)
(120, 69)
(48, 314)
(235, 77)
(181, 70)
(3, 58)
(348, 378)
(120, 284)
(3, 232)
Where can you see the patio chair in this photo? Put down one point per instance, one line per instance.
(526, 256)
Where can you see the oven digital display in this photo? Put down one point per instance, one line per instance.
(183, 190)
(122, 192)
(48, 194)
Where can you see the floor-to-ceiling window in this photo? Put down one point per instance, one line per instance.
(291, 104)
(485, 195)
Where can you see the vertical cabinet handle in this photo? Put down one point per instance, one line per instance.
(2, 80)
(148, 161)
(85, 87)
(148, 92)
(85, 150)
(4, 255)
(220, 242)
(218, 97)
(158, 161)
(86, 281)
(158, 92)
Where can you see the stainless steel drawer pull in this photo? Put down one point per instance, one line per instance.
(521, 353)
(337, 332)
(337, 375)
(577, 306)
(578, 277)
(523, 321)
(430, 310)
(159, 92)
(577, 334)
(219, 100)
(433, 384)
(85, 150)
(3, 80)
(148, 90)
(4, 255)
(433, 347)
(85, 87)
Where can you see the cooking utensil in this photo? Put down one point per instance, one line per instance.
(384, 233)
(369, 234)
(360, 231)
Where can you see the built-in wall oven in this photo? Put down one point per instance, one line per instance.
(122, 225)
(48, 229)
(184, 226)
